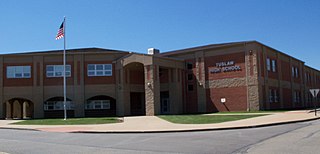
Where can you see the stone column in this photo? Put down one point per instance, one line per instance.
(252, 82)
(24, 109)
(17, 110)
(8, 110)
(152, 90)
(120, 92)
(200, 77)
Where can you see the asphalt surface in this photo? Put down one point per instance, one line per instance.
(274, 139)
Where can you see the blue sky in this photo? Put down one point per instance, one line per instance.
(291, 26)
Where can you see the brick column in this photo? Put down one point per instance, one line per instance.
(252, 82)
(1, 89)
(152, 90)
(120, 90)
(78, 90)
(38, 88)
(200, 76)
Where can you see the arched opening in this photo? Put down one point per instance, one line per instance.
(136, 84)
(18, 108)
(53, 108)
(100, 106)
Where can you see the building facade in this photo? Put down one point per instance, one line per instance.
(239, 76)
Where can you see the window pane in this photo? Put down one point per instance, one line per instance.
(10, 72)
(18, 69)
(18, 75)
(57, 74)
(90, 73)
(108, 67)
(27, 69)
(26, 75)
(91, 67)
(68, 74)
(106, 105)
(99, 67)
(68, 68)
(49, 74)
(107, 73)
(58, 68)
(189, 66)
(97, 105)
(49, 68)
(99, 73)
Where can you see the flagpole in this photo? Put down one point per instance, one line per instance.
(64, 71)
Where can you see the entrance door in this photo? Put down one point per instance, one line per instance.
(137, 104)
(165, 106)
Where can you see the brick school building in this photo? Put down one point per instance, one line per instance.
(238, 76)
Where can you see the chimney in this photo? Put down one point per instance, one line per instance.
(153, 51)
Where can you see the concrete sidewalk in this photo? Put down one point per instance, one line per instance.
(150, 124)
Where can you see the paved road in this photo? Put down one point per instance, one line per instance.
(291, 138)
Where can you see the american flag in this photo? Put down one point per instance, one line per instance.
(60, 33)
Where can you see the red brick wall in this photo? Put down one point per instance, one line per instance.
(51, 81)
(271, 74)
(275, 105)
(262, 63)
(11, 82)
(285, 71)
(238, 58)
(191, 96)
(236, 99)
(296, 79)
(287, 98)
(164, 75)
(136, 77)
(99, 79)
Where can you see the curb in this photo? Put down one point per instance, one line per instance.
(12, 128)
(175, 131)
(197, 130)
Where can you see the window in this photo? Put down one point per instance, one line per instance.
(268, 64)
(18, 71)
(295, 72)
(57, 70)
(190, 77)
(58, 105)
(190, 87)
(296, 96)
(270, 96)
(274, 65)
(189, 66)
(98, 104)
(273, 96)
(99, 69)
(309, 97)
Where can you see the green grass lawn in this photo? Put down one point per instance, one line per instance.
(205, 119)
(71, 121)
(243, 112)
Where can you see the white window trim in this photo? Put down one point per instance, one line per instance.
(296, 72)
(58, 105)
(268, 64)
(274, 65)
(107, 105)
(292, 71)
(104, 70)
(14, 73)
(54, 71)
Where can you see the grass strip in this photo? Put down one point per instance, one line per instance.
(70, 121)
(205, 119)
